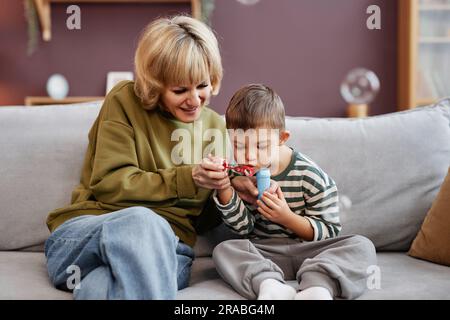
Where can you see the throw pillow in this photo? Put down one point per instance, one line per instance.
(432, 243)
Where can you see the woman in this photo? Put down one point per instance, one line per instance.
(131, 226)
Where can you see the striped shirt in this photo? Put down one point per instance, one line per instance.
(309, 192)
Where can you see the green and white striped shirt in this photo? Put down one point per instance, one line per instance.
(309, 192)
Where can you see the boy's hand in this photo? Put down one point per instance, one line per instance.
(275, 208)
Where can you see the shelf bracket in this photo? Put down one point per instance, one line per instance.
(44, 15)
(43, 8)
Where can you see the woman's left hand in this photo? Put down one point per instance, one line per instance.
(211, 174)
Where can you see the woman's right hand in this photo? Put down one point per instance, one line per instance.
(211, 174)
(247, 189)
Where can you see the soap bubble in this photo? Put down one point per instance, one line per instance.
(360, 86)
(344, 203)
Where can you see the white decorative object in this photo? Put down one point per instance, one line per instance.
(115, 77)
(358, 89)
(248, 2)
(57, 86)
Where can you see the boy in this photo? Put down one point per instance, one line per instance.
(290, 233)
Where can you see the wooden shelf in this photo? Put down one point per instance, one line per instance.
(39, 101)
(425, 101)
(43, 8)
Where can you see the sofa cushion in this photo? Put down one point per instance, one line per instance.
(23, 275)
(401, 277)
(406, 278)
(206, 242)
(42, 150)
(433, 240)
(390, 166)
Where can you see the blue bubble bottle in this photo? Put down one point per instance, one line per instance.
(262, 180)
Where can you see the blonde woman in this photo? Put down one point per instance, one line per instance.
(132, 222)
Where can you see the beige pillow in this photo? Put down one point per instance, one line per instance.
(432, 243)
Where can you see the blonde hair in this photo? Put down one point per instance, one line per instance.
(175, 51)
(255, 106)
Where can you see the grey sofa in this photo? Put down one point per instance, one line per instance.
(389, 166)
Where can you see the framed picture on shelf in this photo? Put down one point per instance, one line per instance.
(114, 77)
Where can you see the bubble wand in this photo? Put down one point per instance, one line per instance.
(262, 175)
(241, 169)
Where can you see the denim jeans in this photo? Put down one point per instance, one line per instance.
(128, 254)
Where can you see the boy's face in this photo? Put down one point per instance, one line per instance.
(258, 147)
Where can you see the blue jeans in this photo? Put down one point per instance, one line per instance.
(128, 254)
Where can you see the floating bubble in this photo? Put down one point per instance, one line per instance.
(360, 86)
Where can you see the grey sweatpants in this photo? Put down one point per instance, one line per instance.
(338, 264)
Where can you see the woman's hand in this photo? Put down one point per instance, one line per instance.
(247, 190)
(210, 174)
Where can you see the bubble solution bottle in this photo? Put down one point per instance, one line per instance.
(262, 180)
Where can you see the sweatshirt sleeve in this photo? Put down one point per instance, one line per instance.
(117, 178)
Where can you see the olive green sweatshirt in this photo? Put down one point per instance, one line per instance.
(129, 163)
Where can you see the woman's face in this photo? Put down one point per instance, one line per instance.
(185, 102)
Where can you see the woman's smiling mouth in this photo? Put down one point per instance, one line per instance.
(190, 110)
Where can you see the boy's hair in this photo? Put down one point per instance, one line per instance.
(253, 106)
(175, 51)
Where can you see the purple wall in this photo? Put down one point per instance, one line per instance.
(302, 48)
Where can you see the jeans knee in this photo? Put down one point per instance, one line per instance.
(144, 218)
(138, 225)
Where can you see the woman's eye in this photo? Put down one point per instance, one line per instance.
(183, 90)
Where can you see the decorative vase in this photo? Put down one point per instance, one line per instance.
(57, 86)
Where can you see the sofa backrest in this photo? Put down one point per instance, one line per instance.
(389, 166)
(41, 154)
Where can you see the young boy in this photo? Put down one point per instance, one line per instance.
(290, 233)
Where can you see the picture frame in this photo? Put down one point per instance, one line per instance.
(114, 77)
